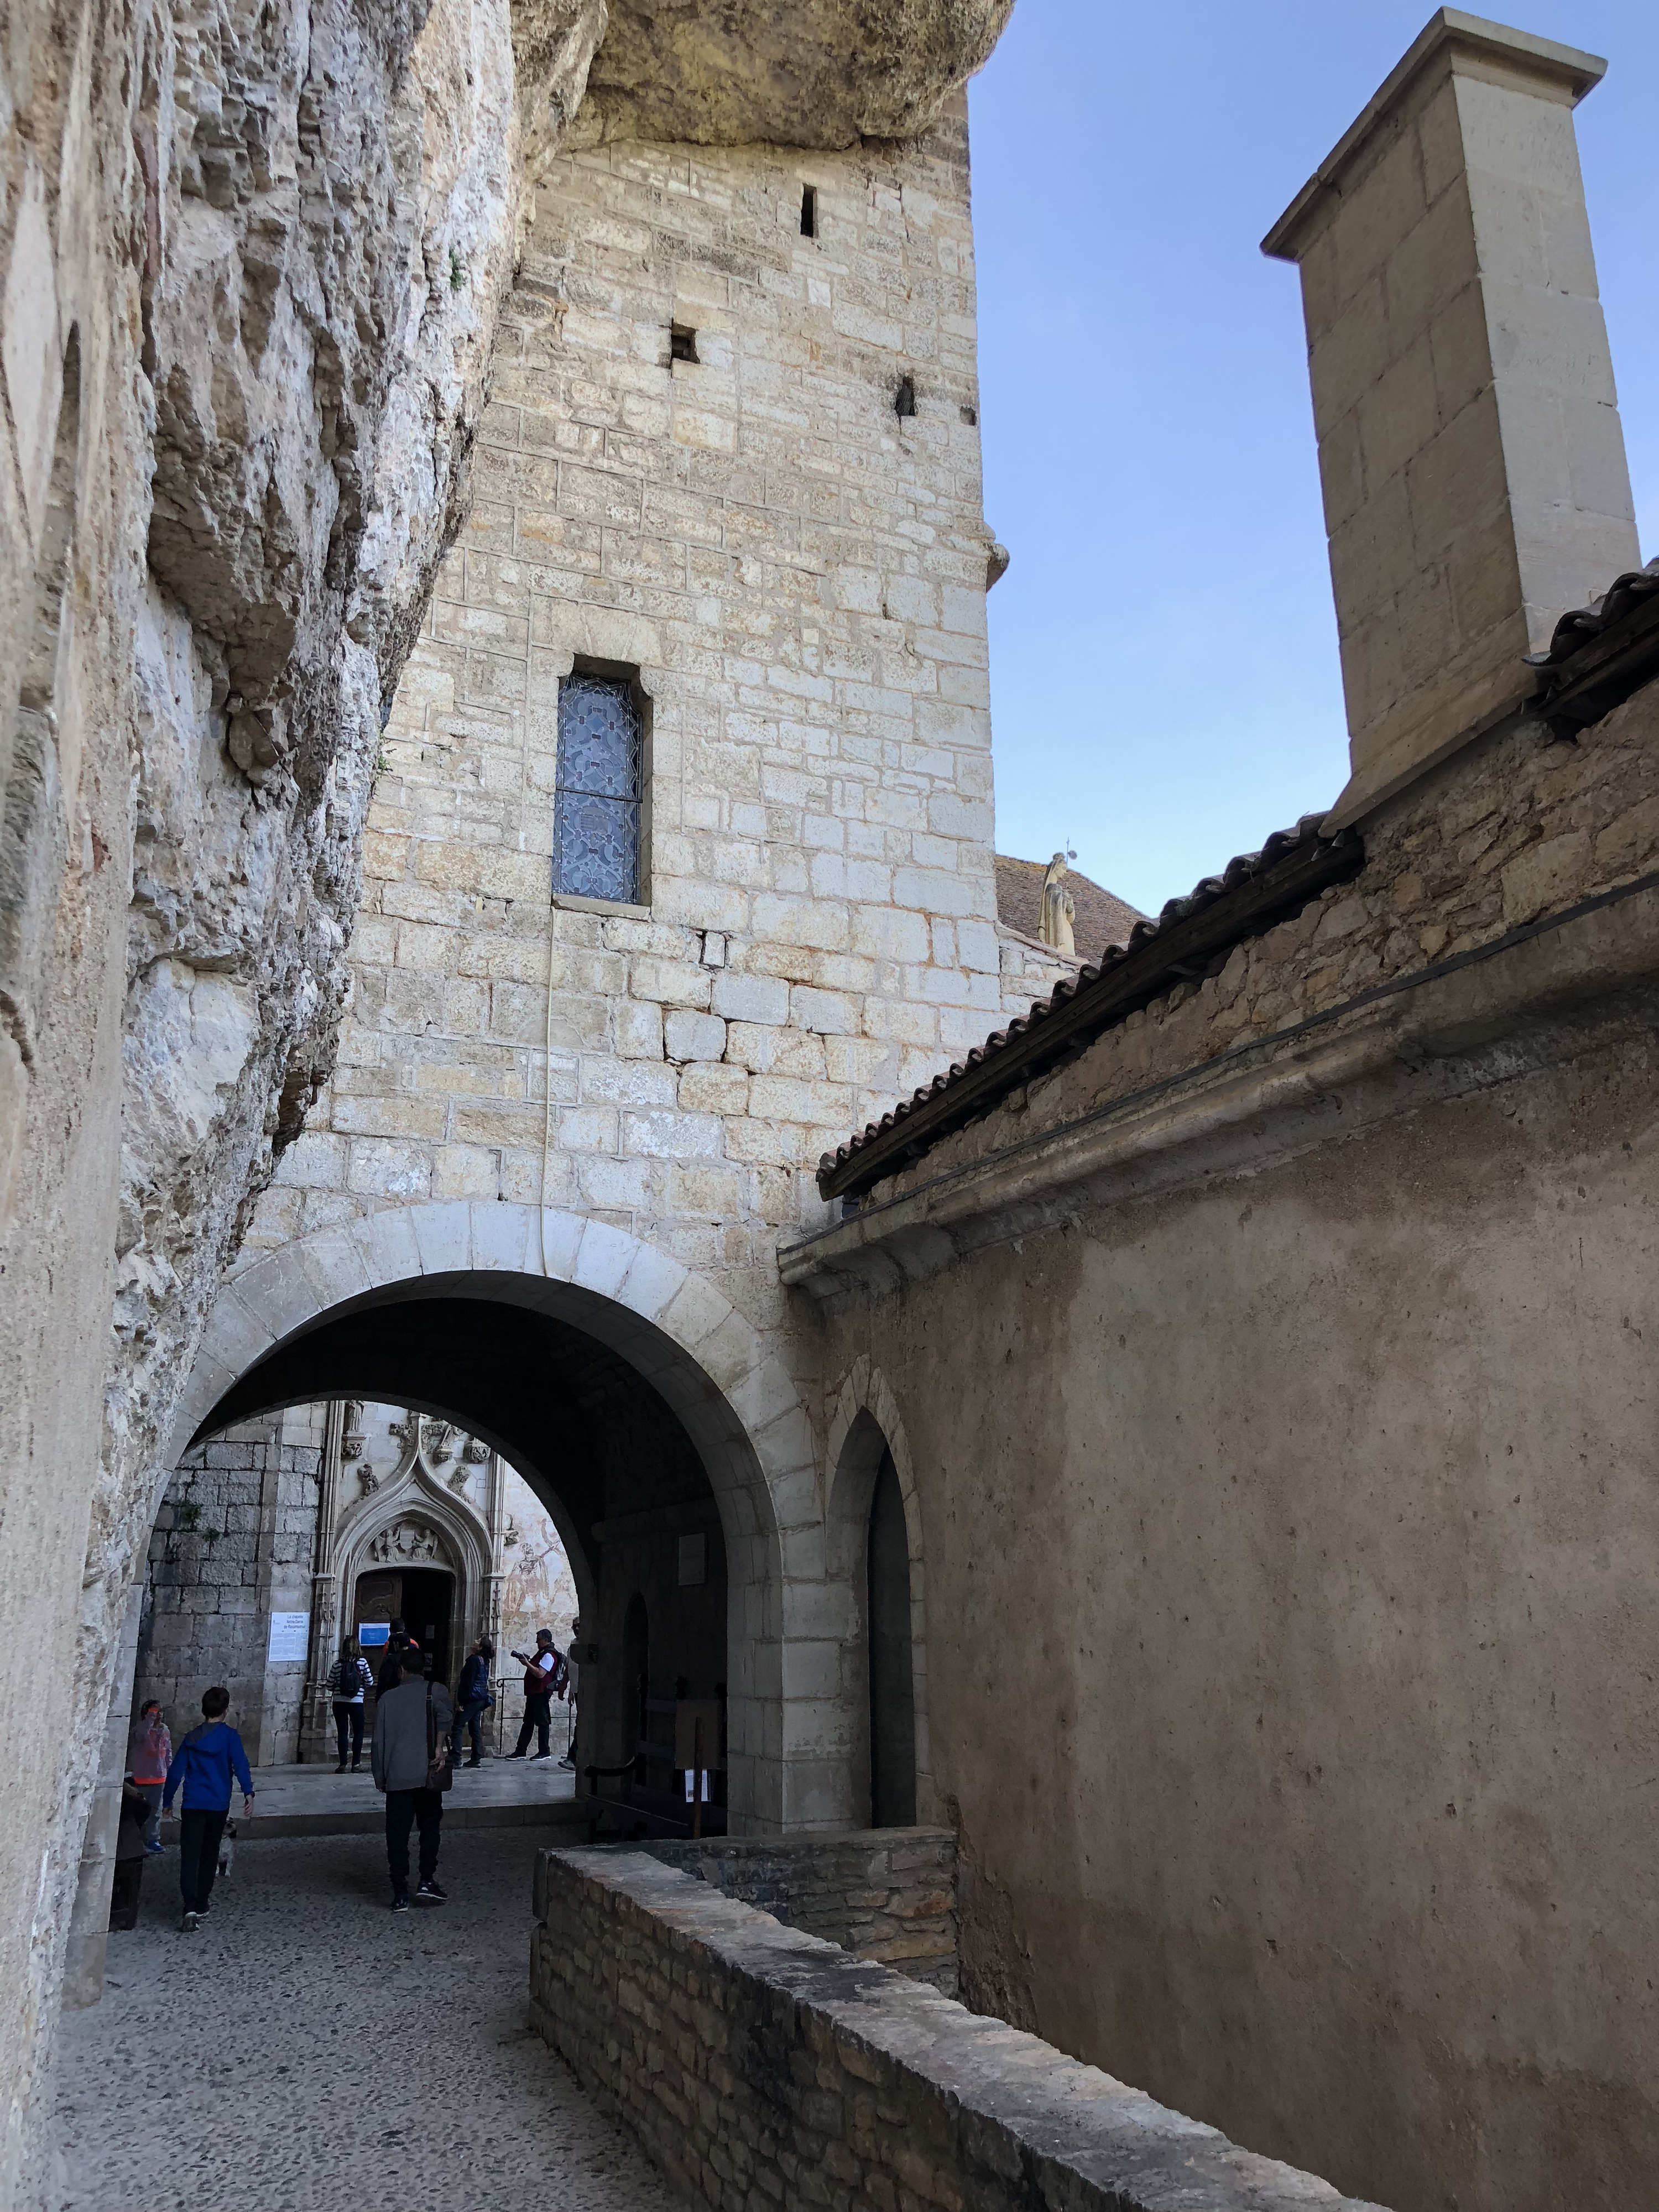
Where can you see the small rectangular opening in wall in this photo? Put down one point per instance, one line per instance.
(681, 342)
(904, 399)
(809, 211)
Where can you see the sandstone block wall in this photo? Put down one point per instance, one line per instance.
(758, 2065)
(799, 573)
(883, 1893)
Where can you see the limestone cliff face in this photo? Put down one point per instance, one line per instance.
(251, 250)
(252, 254)
(823, 73)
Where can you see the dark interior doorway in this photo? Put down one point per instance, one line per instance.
(422, 1597)
(892, 1687)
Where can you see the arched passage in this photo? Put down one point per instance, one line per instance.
(447, 1309)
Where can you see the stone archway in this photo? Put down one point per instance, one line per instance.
(865, 1425)
(713, 1368)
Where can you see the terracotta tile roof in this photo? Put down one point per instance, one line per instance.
(1101, 918)
(1250, 894)
(1601, 653)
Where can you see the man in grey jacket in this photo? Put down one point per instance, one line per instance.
(402, 1751)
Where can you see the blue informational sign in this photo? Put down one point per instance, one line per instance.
(370, 1633)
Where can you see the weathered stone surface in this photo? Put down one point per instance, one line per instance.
(251, 262)
(887, 1894)
(824, 74)
(756, 2063)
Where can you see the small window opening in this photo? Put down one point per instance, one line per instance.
(809, 211)
(682, 342)
(904, 400)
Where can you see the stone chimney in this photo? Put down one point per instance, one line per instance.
(1469, 442)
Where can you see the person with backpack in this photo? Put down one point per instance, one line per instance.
(348, 1677)
(201, 1769)
(149, 1754)
(473, 1698)
(411, 1762)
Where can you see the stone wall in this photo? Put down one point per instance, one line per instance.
(759, 2064)
(883, 1893)
(800, 574)
(232, 1544)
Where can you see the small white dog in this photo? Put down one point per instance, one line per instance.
(227, 1850)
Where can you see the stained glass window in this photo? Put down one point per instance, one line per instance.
(596, 806)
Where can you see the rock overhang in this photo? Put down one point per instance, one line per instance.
(817, 74)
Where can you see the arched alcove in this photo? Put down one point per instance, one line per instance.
(874, 1551)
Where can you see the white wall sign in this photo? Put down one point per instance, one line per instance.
(290, 1637)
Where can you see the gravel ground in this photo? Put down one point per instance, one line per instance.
(308, 2049)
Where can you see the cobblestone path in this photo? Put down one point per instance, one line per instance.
(307, 2049)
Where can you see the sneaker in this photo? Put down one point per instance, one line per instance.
(568, 1762)
(400, 1902)
(340, 1769)
(187, 1925)
(515, 1754)
(153, 1850)
(430, 1893)
(534, 1756)
(475, 1762)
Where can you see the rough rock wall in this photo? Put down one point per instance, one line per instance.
(823, 73)
(250, 257)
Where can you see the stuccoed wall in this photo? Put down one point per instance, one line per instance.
(1284, 1471)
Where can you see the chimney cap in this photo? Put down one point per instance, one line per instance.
(1566, 68)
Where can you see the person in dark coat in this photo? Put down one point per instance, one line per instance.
(410, 1722)
(473, 1698)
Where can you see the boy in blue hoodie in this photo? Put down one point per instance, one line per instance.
(205, 1763)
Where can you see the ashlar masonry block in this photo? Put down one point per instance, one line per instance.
(1470, 449)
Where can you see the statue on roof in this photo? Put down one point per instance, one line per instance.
(1057, 910)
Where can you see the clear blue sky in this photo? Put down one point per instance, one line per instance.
(1164, 664)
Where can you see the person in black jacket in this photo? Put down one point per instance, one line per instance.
(473, 1698)
(399, 1641)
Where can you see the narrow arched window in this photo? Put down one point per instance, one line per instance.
(892, 1687)
(595, 808)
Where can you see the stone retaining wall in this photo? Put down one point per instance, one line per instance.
(883, 1893)
(762, 2066)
